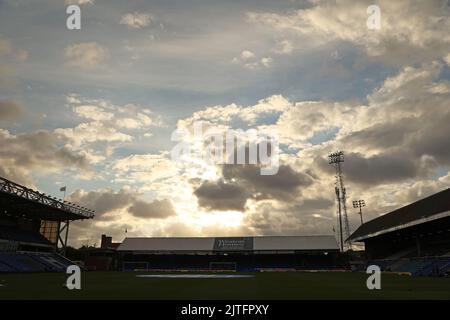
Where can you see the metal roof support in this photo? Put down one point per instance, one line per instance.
(18, 190)
(63, 233)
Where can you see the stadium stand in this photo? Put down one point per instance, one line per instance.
(280, 253)
(32, 262)
(33, 229)
(15, 234)
(414, 239)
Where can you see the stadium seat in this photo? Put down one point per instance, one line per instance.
(32, 262)
(15, 234)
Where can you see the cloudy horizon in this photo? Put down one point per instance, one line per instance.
(94, 110)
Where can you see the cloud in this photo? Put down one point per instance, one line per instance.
(243, 182)
(406, 117)
(157, 209)
(136, 20)
(309, 205)
(5, 47)
(266, 61)
(249, 60)
(108, 203)
(303, 120)
(79, 2)
(106, 122)
(284, 47)
(91, 132)
(377, 169)
(10, 111)
(88, 232)
(416, 30)
(10, 57)
(447, 59)
(144, 168)
(85, 55)
(281, 186)
(102, 201)
(221, 196)
(395, 141)
(11, 52)
(36, 152)
(269, 219)
(93, 113)
(394, 133)
(247, 54)
(223, 115)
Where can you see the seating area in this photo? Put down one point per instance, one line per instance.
(16, 234)
(32, 262)
(437, 267)
(427, 266)
(413, 266)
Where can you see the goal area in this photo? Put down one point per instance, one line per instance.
(134, 266)
(222, 266)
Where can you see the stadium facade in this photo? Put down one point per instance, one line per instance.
(230, 253)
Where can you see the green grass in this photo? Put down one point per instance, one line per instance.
(289, 285)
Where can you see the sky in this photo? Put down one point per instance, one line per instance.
(95, 109)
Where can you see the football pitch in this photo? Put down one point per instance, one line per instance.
(281, 285)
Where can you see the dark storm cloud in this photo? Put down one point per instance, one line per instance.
(282, 186)
(157, 209)
(380, 168)
(36, 151)
(270, 221)
(102, 201)
(10, 111)
(311, 205)
(221, 196)
(242, 182)
(433, 136)
(412, 147)
(106, 201)
(377, 169)
(426, 134)
(384, 135)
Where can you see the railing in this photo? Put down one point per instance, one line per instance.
(13, 188)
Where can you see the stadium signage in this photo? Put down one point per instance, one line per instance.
(233, 244)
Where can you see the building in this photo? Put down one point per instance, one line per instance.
(106, 243)
(230, 253)
(104, 258)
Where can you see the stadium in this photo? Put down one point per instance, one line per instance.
(245, 254)
(224, 150)
(411, 245)
(413, 239)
